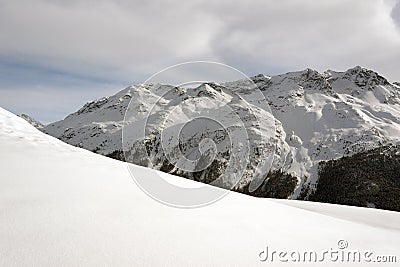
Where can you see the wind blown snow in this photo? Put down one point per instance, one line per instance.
(65, 206)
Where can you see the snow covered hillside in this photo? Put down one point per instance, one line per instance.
(65, 206)
(316, 117)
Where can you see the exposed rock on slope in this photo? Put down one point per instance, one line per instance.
(32, 121)
(316, 117)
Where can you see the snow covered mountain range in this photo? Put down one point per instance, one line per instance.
(313, 117)
(65, 206)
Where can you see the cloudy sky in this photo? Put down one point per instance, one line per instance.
(56, 55)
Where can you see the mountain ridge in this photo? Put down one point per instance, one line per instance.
(316, 117)
(32, 121)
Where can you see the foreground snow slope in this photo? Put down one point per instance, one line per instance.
(65, 206)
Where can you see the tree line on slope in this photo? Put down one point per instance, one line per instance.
(366, 179)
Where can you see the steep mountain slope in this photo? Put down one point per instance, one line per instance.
(32, 121)
(316, 116)
(369, 179)
(224, 118)
(330, 115)
(69, 207)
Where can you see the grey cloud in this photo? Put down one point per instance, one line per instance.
(396, 14)
(318, 34)
(125, 40)
(88, 36)
(137, 38)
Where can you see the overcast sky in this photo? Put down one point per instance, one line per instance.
(56, 55)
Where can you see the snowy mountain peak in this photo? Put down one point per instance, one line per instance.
(316, 117)
(362, 77)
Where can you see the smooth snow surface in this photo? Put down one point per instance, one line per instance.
(65, 206)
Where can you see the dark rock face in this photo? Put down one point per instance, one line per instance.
(365, 78)
(276, 185)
